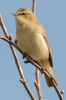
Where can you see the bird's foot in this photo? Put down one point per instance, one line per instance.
(24, 54)
(26, 61)
(42, 70)
(16, 41)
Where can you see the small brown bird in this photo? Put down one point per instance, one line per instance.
(32, 39)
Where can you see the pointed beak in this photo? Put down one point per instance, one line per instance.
(14, 14)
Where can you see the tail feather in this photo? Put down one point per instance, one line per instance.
(50, 72)
(48, 81)
(48, 68)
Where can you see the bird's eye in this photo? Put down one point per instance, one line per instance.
(23, 13)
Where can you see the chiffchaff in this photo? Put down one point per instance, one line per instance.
(32, 39)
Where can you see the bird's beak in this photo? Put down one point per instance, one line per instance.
(14, 14)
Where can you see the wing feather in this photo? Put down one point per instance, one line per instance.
(50, 53)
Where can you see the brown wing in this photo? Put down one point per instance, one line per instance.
(46, 40)
(50, 54)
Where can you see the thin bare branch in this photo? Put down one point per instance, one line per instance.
(34, 6)
(38, 86)
(37, 70)
(51, 79)
(17, 61)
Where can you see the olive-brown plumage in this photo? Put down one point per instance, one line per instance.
(32, 38)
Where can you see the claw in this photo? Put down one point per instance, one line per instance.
(26, 61)
(42, 70)
(24, 54)
(16, 41)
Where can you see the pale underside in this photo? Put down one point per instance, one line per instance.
(31, 38)
(35, 46)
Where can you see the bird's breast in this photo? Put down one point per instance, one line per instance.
(34, 45)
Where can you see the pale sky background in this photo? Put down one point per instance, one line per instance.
(52, 15)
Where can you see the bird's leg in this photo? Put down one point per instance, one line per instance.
(42, 70)
(24, 54)
(16, 41)
(26, 61)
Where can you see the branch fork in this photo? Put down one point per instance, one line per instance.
(29, 60)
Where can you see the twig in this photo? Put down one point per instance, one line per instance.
(38, 84)
(37, 74)
(36, 65)
(57, 90)
(17, 61)
(33, 6)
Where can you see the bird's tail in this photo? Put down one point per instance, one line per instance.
(50, 72)
(49, 81)
(48, 68)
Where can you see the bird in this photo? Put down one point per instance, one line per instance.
(32, 38)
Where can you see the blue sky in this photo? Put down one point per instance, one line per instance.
(52, 15)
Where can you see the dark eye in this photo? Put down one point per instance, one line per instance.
(23, 13)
